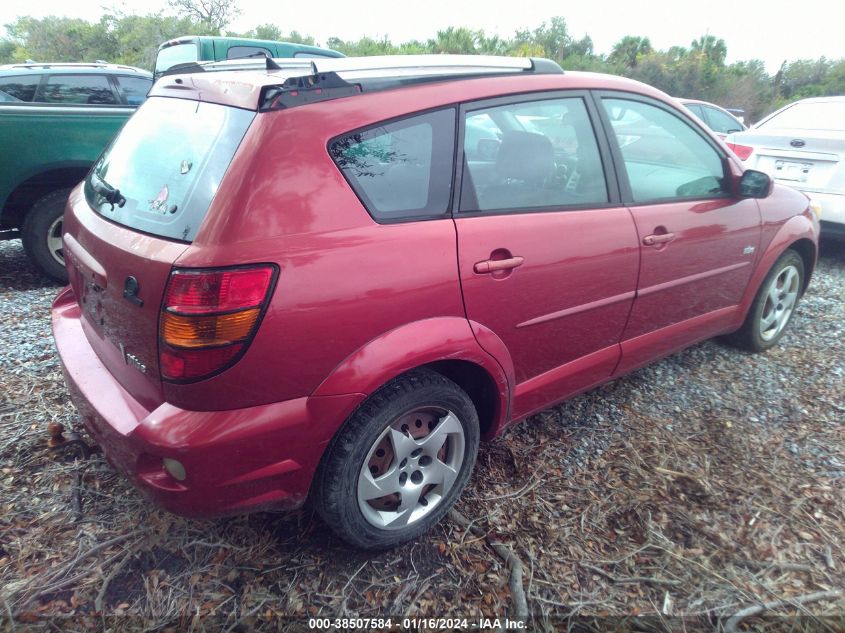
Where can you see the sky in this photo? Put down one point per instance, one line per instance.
(771, 30)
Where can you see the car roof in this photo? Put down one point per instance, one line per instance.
(246, 41)
(80, 68)
(243, 88)
(833, 99)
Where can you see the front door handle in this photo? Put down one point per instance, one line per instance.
(492, 265)
(658, 238)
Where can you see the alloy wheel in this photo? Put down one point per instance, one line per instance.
(780, 302)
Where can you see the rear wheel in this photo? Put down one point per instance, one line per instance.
(773, 306)
(42, 234)
(400, 461)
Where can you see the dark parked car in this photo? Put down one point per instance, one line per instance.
(303, 282)
(55, 120)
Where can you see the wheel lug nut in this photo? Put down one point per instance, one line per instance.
(417, 477)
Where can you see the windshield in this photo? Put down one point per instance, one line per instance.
(166, 165)
(178, 54)
(819, 115)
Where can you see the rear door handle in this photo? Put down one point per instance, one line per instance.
(492, 265)
(660, 238)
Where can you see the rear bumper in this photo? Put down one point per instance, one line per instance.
(236, 461)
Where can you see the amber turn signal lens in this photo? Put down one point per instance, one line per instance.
(206, 331)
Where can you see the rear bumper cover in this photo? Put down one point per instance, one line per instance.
(236, 461)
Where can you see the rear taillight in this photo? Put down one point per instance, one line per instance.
(742, 151)
(209, 317)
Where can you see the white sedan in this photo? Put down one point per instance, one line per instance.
(803, 145)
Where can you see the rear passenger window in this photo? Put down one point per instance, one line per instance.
(84, 89)
(19, 88)
(401, 170)
(531, 155)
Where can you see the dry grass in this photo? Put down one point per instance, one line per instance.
(615, 506)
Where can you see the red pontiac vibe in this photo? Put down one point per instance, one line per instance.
(331, 278)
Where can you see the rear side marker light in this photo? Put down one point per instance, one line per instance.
(209, 318)
(742, 151)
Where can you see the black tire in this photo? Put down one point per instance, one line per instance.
(39, 223)
(750, 336)
(335, 492)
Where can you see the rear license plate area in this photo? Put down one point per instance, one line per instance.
(792, 170)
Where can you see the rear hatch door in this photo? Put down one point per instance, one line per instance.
(138, 211)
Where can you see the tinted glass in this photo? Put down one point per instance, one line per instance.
(695, 109)
(531, 155)
(178, 54)
(167, 161)
(401, 169)
(236, 52)
(663, 154)
(20, 88)
(822, 115)
(134, 89)
(721, 122)
(86, 89)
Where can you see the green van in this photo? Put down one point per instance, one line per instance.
(197, 48)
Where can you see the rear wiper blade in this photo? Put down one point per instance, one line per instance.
(107, 192)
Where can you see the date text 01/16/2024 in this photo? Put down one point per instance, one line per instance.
(451, 624)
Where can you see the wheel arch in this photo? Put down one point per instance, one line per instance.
(797, 233)
(446, 345)
(38, 184)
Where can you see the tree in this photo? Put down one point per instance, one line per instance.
(455, 41)
(214, 15)
(629, 50)
(711, 49)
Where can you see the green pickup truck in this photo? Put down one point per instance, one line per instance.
(55, 120)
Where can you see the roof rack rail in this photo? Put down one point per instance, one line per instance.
(333, 78)
(381, 65)
(427, 64)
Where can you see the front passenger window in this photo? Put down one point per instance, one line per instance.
(665, 158)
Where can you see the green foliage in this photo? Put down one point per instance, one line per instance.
(698, 71)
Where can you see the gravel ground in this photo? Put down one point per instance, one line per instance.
(708, 482)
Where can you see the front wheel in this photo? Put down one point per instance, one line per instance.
(399, 463)
(42, 234)
(774, 304)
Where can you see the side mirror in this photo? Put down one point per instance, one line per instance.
(755, 184)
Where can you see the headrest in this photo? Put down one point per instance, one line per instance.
(525, 156)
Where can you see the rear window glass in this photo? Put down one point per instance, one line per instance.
(401, 170)
(167, 163)
(21, 88)
(178, 54)
(821, 115)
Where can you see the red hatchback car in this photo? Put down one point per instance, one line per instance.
(331, 279)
